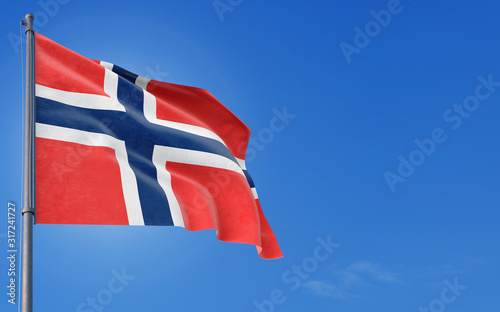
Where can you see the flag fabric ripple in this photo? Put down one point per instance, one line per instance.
(113, 147)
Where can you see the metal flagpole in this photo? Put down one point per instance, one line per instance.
(28, 211)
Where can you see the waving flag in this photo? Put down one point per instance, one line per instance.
(116, 148)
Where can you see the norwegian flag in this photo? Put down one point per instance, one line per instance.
(116, 148)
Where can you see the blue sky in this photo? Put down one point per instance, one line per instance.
(382, 189)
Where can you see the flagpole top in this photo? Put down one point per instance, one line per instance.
(28, 23)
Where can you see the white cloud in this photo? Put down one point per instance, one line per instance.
(353, 281)
(365, 273)
(325, 290)
(365, 278)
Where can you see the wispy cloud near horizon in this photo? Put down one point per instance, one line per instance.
(358, 276)
(325, 290)
(366, 273)
(362, 277)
